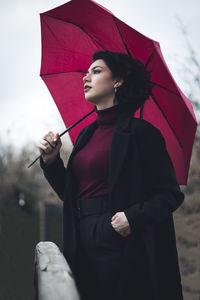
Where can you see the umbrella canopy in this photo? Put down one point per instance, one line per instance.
(71, 33)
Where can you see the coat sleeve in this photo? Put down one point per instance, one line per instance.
(55, 175)
(164, 192)
(55, 172)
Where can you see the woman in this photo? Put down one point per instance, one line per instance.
(119, 190)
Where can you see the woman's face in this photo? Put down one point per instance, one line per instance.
(99, 79)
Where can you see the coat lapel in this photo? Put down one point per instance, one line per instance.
(119, 146)
(82, 141)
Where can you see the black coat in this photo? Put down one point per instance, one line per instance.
(143, 184)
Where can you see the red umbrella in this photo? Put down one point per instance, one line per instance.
(70, 35)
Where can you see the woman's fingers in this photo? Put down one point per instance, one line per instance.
(49, 138)
(57, 138)
(114, 217)
(49, 146)
(44, 147)
(50, 143)
(54, 139)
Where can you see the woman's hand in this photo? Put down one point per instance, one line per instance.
(49, 146)
(120, 224)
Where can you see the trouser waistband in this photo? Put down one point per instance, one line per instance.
(93, 205)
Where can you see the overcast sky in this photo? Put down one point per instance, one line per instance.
(27, 108)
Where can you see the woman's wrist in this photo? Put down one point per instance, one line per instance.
(46, 164)
(49, 161)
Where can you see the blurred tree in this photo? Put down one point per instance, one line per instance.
(190, 70)
(187, 216)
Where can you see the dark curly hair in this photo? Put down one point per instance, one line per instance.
(136, 87)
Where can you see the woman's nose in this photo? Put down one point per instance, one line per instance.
(86, 77)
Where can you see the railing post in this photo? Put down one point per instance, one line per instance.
(53, 278)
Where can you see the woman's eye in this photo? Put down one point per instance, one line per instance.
(96, 71)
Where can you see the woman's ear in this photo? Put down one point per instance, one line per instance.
(119, 82)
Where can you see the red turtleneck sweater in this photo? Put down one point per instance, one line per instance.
(90, 164)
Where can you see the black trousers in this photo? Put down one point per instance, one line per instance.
(109, 266)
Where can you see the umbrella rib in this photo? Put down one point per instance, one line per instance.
(154, 99)
(154, 83)
(125, 45)
(81, 27)
(51, 30)
(163, 87)
(150, 57)
(80, 71)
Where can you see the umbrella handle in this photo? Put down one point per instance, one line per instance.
(64, 133)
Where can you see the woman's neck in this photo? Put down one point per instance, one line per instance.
(107, 116)
(106, 104)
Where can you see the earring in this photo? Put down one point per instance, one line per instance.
(115, 90)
